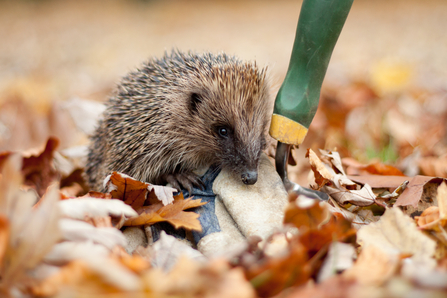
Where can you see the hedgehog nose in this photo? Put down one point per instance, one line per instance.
(249, 177)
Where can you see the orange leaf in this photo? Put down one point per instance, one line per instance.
(137, 193)
(127, 189)
(4, 236)
(378, 168)
(276, 273)
(172, 213)
(310, 216)
(429, 219)
(337, 229)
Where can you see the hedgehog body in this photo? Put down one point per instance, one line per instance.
(179, 113)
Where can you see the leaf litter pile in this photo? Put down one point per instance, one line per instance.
(381, 234)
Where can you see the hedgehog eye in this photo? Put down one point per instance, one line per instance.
(195, 101)
(223, 132)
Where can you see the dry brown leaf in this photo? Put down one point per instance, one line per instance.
(192, 279)
(334, 158)
(167, 250)
(413, 193)
(322, 174)
(4, 236)
(127, 189)
(33, 232)
(373, 266)
(72, 273)
(429, 219)
(86, 279)
(3, 156)
(434, 217)
(79, 231)
(274, 274)
(359, 218)
(340, 257)
(376, 168)
(306, 212)
(380, 181)
(134, 192)
(172, 213)
(336, 229)
(363, 197)
(338, 186)
(38, 170)
(396, 233)
(92, 207)
(135, 263)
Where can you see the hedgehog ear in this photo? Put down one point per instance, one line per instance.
(196, 99)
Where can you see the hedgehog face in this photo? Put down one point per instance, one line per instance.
(230, 107)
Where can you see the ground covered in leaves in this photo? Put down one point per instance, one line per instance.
(380, 127)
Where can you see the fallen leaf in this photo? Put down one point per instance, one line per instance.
(380, 181)
(376, 168)
(93, 207)
(396, 233)
(172, 213)
(334, 158)
(359, 218)
(434, 217)
(336, 229)
(72, 273)
(413, 194)
(340, 257)
(429, 219)
(277, 273)
(134, 192)
(79, 231)
(127, 189)
(33, 232)
(38, 170)
(190, 278)
(363, 197)
(166, 251)
(322, 174)
(306, 212)
(373, 266)
(4, 236)
(3, 156)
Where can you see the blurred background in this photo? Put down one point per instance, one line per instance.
(384, 96)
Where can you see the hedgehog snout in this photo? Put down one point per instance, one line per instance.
(249, 177)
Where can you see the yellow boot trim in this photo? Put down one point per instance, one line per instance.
(287, 131)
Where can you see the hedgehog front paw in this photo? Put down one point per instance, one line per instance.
(184, 180)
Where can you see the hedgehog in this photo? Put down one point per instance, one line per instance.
(180, 113)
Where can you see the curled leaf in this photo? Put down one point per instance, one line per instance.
(134, 192)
